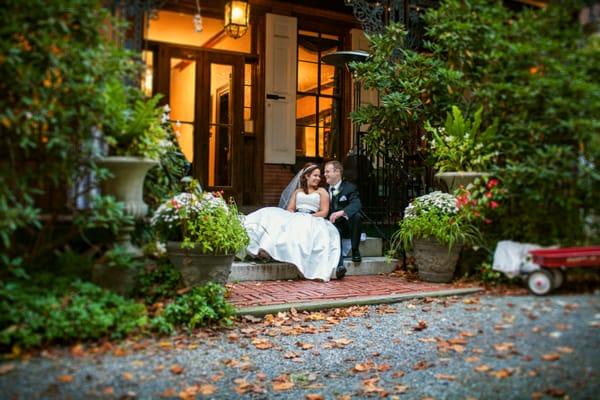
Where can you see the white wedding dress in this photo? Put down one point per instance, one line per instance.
(310, 243)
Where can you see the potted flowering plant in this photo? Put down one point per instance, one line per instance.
(461, 151)
(435, 227)
(203, 233)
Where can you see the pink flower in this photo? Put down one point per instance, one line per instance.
(175, 203)
(491, 183)
(487, 221)
(488, 195)
(493, 204)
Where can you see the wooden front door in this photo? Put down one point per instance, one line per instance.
(205, 92)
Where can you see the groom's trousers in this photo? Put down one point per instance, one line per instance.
(349, 229)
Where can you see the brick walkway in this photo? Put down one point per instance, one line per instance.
(249, 294)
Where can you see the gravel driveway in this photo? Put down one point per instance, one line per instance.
(479, 347)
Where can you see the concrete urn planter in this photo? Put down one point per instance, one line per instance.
(127, 186)
(198, 268)
(455, 179)
(434, 262)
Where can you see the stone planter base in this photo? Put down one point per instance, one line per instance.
(197, 268)
(456, 179)
(434, 262)
(119, 280)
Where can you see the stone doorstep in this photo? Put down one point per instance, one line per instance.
(354, 301)
(272, 271)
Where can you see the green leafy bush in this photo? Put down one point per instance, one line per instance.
(59, 58)
(159, 281)
(534, 71)
(460, 145)
(32, 316)
(201, 306)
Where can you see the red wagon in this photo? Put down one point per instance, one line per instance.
(554, 262)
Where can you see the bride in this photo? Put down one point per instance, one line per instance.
(298, 231)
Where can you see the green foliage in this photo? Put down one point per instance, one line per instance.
(32, 315)
(57, 62)
(201, 306)
(201, 219)
(120, 257)
(534, 71)
(488, 276)
(460, 145)
(435, 215)
(159, 281)
(132, 125)
(413, 88)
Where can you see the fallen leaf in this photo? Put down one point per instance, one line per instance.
(565, 349)
(304, 346)
(398, 374)
(128, 376)
(217, 377)
(505, 346)
(383, 367)
(189, 393)
(532, 373)
(428, 340)
(482, 368)
(65, 378)
(537, 396)
(420, 326)
(109, 390)
(176, 369)
(555, 392)
(165, 344)
(137, 363)
(421, 365)
(169, 392)
(400, 388)
(551, 357)
(207, 389)
(369, 386)
(6, 368)
(261, 376)
(282, 382)
(445, 377)
(502, 373)
(78, 350)
(472, 359)
(314, 397)
(262, 344)
(290, 354)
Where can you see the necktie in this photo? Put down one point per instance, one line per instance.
(330, 192)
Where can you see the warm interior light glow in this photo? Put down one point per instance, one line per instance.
(237, 15)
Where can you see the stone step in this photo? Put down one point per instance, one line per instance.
(271, 271)
(371, 247)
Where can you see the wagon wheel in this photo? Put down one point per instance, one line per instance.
(558, 277)
(540, 282)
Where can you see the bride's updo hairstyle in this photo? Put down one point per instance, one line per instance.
(306, 171)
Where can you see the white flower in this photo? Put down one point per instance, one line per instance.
(166, 108)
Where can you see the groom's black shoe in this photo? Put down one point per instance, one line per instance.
(356, 256)
(340, 272)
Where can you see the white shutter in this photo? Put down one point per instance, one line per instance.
(280, 90)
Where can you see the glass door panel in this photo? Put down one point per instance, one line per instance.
(220, 140)
(182, 101)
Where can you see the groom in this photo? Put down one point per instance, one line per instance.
(344, 210)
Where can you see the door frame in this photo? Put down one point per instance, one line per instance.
(204, 58)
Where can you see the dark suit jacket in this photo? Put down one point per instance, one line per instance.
(347, 199)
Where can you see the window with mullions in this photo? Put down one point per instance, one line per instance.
(318, 96)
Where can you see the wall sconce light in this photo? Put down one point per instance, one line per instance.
(237, 15)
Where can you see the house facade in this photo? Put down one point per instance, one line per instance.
(251, 105)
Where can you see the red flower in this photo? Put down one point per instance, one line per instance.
(493, 204)
(487, 221)
(175, 203)
(491, 183)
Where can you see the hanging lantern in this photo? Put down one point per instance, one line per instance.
(237, 16)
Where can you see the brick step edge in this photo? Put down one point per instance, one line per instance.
(252, 271)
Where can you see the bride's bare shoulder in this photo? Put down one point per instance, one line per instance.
(322, 191)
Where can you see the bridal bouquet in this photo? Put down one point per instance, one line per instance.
(436, 215)
(201, 219)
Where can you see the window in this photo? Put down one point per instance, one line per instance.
(318, 96)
